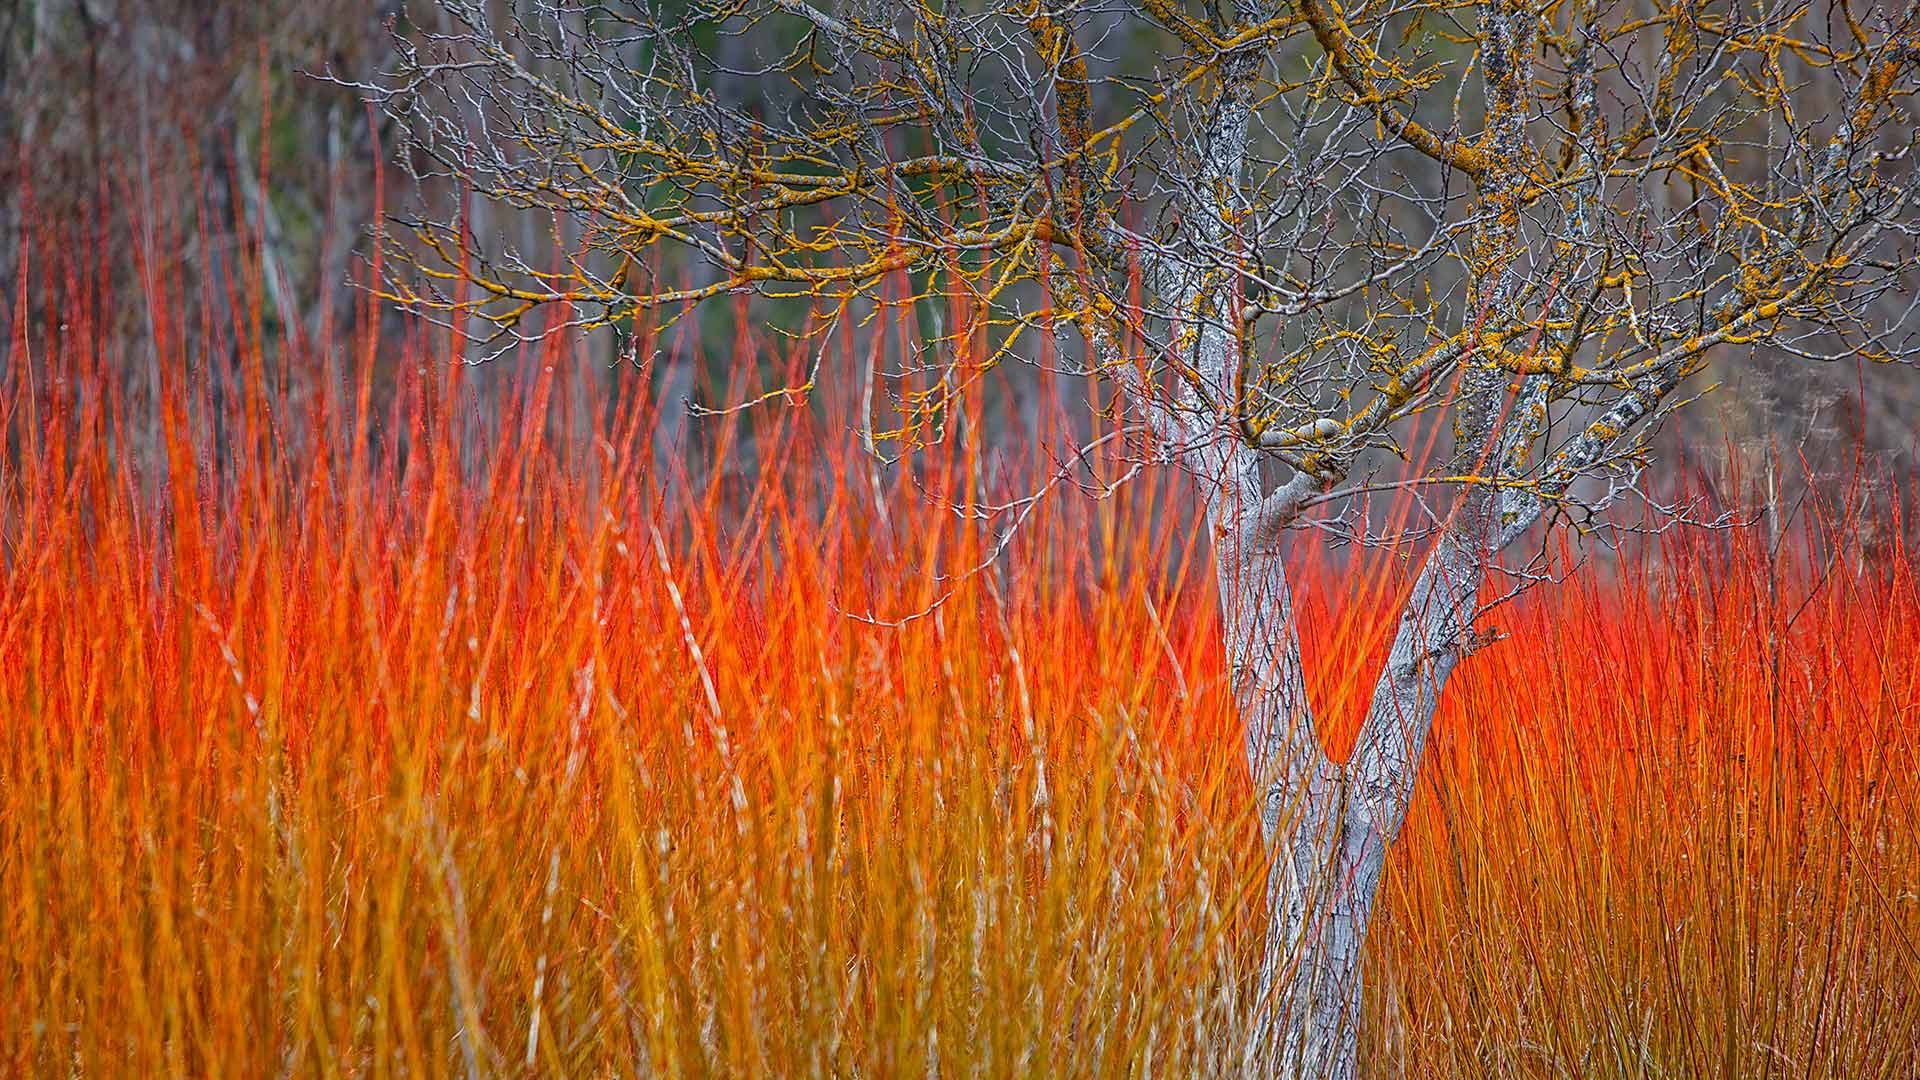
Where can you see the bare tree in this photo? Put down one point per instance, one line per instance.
(1287, 230)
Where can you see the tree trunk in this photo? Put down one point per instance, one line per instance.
(1328, 825)
(1312, 967)
(1310, 972)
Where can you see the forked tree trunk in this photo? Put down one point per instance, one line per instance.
(1309, 979)
(1327, 825)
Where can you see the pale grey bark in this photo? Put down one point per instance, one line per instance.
(1329, 825)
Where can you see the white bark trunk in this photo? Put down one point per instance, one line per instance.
(1328, 825)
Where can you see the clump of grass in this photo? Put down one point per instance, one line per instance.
(335, 742)
(1659, 845)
